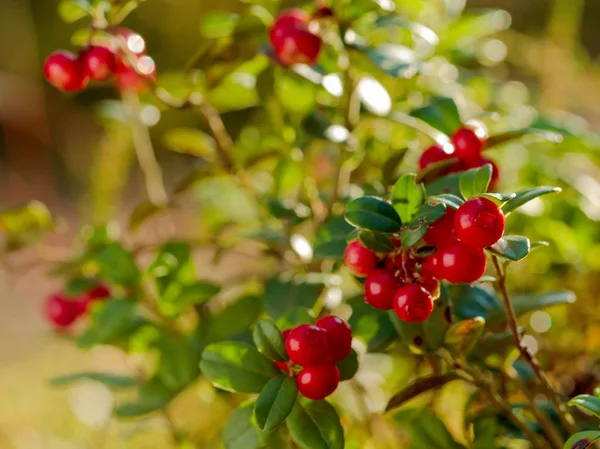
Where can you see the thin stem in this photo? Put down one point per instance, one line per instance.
(553, 435)
(565, 417)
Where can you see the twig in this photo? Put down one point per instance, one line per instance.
(564, 416)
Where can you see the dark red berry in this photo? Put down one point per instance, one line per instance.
(97, 293)
(432, 264)
(318, 382)
(297, 46)
(308, 345)
(479, 222)
(99, 62)
(495, 171)
(380, 288)
(432, 155)
(461, 263)
(60, 311)
(359, 259)
(65, 71)
(413, 303)
(322, 12)
(468, 143)
(285, 333)
(290, 18)
(441, 233)
(339, 334)
(283, 366)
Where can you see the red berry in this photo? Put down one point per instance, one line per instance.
(318, 382)
(359, 259)
(65, 71)
(339, 334)
(468, 143)
(97, 293)
(283, 366)
(461, 263)
(128, 78)
(297, 46)
(432, 155)
(432, 264)
(285, 333)
(479, 222)
(430, 282)
(132, 40)
(308, 345)
(380, 288)
(413, 303)
(441, 233)
(60, 311)
(99, 62)
(290, 18)
(495, 171)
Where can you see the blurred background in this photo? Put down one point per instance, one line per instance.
(71, 153)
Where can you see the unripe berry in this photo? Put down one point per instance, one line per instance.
(441, 233)
(461, 263)
(468, 143)
(308, 345)
(339, 334)
(359, 259)
(432, 155)
(60, 311)
(413, 303)
(380, 288)
(65, 71)
(479, 222)
(318, 382)
(99, 62)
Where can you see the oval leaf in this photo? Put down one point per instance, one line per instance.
(237, 367)
(376, 241)
(462, 336)
(448, 199)
(275, 402)
(112, 381)
(429, 213)
(190, 141)
(527, 195)
(395, 60)
(420, 386)
(587, 402)
(315, 425)
(330, 240)
(511, 247)
(241, 431)
(475, 181)
(373, 214)
(349, 366)
(526, 303)
(441, 113)
(540, 134)
(407, 197)
(583, 440)
(268, 340)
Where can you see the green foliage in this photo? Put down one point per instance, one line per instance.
(373, 214)
(269, 341)
(275, 402)
(315, 425)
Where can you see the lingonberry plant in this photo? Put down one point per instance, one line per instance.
(359, 182)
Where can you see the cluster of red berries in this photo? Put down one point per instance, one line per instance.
(62, 311)
(467, 145)
(316, 349)
(292, 38)
(72, 73)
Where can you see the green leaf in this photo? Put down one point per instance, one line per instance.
(583, 440)
(349, 366)
(539, 134)
(112, 381)
(433, 171)
(194, 294)
(25, 225)
(72, 10)
(269, 341)
(241, 431)
(410, 237)
(79, 286)
(429, 213)
(237, 367)
(288, 209)
(116, 264)
(109, 323)
(218, 24)
(420, 386)
(190, 141)
(528, 302)
(391, 165)
(498, 198)
(587, 402)
(142, 213)
(282, 297)
(426, 430)
(371, 325)
(511, 247)
(448, 199)
(475, 181)
(179, 358)
(152, 396)
(232, 321)
(315, 425)
(527, 195)
(407, 197)
(373, 214)
(376, 241)
(395, 60)
(475, 301)
(462, 336)
(275, 402)
(330, 239)
(441, 113)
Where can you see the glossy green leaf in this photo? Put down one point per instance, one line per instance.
(190, 141)
(373, 214)
(475, 181)
(315, 425)
(441, 113)
(419, 386)
(410, 237)
(218, 24)
(395, 60)
(116, 264)
(194, 294)
(376, 241)
(498, 198)
(72, 10)
(241, 431)
(371, 325)
(527, 302)
(235, 319)
(472, 301)
(429, 213)
(538, 134)
(407, 197)
(152, 396)
(433, 171)
(282, 297)
(583, 440)
(511, 247)
(349, 366)
(269, 341)
(448, 199)
(237, 367)
(112, 381)
(110, 322)
(330, 239)
(589, 403)
(178, 364)
(275, 402)
(462, 336)
(527, 195)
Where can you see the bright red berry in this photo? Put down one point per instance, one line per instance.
(297, 46)
(65, 71)
(359, 259)
(479, 222)
(283, 366)
(339, 334)
(319, 381)
(432, 155)
(430, 282)
(380, 288)
(495, 171)
(413, 303)
(290, 18)
(99, 62)
(285, 333)
(441, 233)
(308, 345)
(468, 143)
(60, 311)
(432, 264)
(97, 293)
(130, 78)
(461, 263)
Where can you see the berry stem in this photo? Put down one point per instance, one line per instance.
(565, 417)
